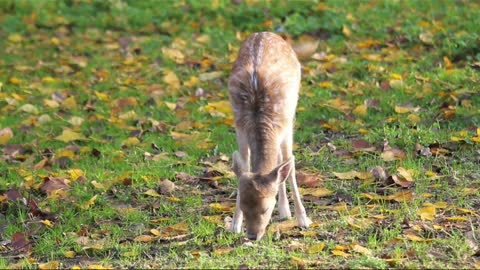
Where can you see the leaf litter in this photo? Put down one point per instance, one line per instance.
(60, 121)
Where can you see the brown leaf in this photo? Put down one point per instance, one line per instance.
(401, 181)
(362, 145)
(308, 179)
(166, 186)
(144, 238)
(52, 184)
(19, 242)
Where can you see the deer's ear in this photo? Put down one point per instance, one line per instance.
(239, 166)
(282, 171)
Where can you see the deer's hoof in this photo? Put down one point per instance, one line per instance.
(304, 222)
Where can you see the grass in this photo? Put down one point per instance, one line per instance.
(100, 69)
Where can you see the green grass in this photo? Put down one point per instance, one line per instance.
(104, 54)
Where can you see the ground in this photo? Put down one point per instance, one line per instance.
(116, 134)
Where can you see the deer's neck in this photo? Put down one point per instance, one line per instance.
(264, 156)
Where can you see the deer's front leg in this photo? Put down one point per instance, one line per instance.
(244, 151)
(236, 226)
(300, 212)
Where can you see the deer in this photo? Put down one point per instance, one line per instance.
(263, 90)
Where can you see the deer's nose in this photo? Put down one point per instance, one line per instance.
(252, 236)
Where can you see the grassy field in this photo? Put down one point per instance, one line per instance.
(116, 134)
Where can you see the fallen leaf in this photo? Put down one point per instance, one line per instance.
(225, 207)
(317, 192)
(5, 135)
(171, 80)
(29, 108)
(49, 265)
(362, 250)
(144, 238)
(69, 135)
(152, 193)
(316, 248)
(222, 251)
(283, 226)
(427, 212)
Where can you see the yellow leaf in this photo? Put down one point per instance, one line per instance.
(152, 193)
(340, 253)
(155, 232)
(427, 212)
(69, 135)
(98, 185)
(69, 103)
(49, 265)
(160, 220)
(415, 238)
(193, 81)
(413, 118)
(75, 173)
(362, 250)
(308, 233)
(317, 192)
(298, 261)
(325, 84)
(456, 218)
(14, 81)
(64, 153)
(102, 96)
(51, 103)
(426, 38)
(221, 207)
(217, 219)
(346, 31)
(99, 267)
(316, 248)
(5, 135)
(475, 139)
(401, 196)
(48, 79)
(405, 174)
(358, 223)
(360, 110)
(88, 203)
(171, 105)
(346, 175)
(69, 254)
(440, 205)
(219, 108)
(29, 108)
(144, 238)
(171, 79)
(283, 226)
(447, 62)
(15, 38)
(173, 199)
(210, 75)
(131, 141)
(47, 223)
(174, 54)
(401, 109)
(222, 251)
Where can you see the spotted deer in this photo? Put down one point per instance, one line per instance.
(263, 90)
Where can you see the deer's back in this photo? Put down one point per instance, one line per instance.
(264, 83)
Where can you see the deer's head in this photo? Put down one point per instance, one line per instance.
(258, 194)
